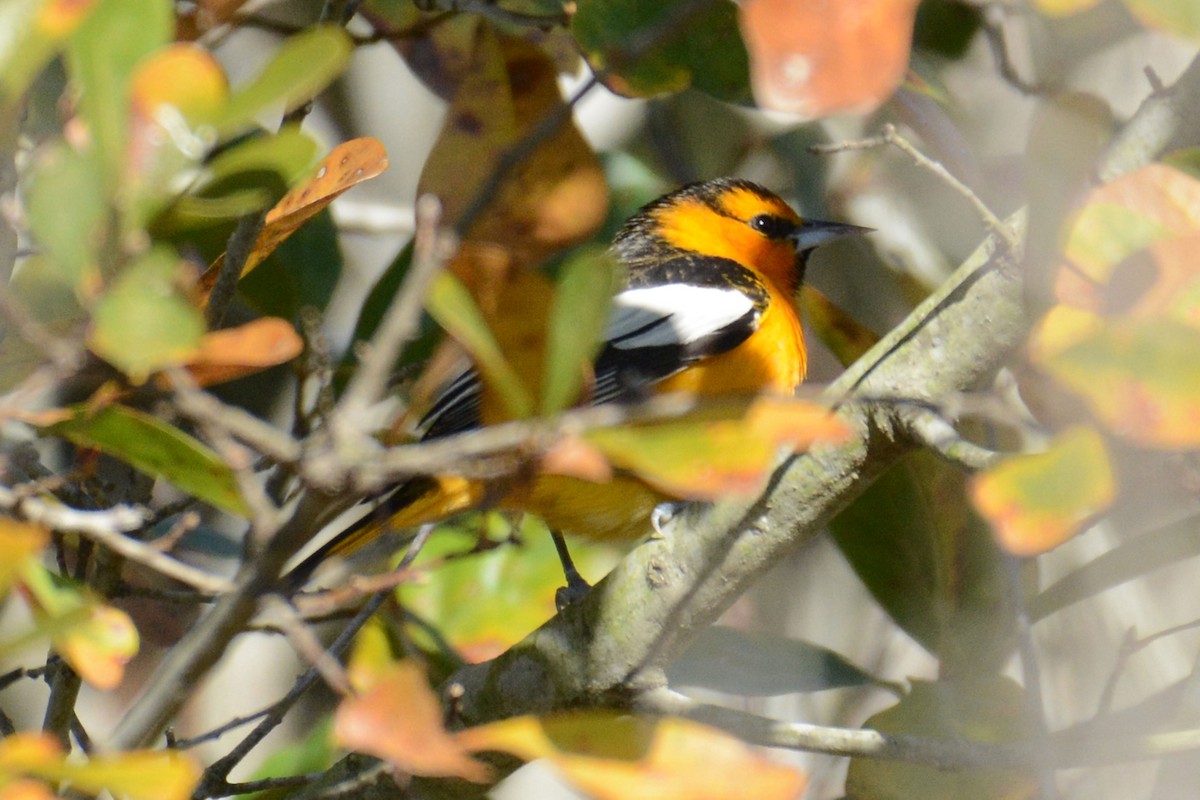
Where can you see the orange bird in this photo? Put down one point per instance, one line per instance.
(712, 270)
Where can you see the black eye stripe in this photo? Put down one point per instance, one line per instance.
(771, 226)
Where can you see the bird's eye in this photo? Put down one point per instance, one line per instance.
(771, 226)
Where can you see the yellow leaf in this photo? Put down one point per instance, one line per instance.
(371, 657)
(1036, 502)
(619, 757)
(99, 646)
(181, 75)
(705, 458)
(19, 541)
(1063, 8)
(137, 775)
(1141, 378)
(95, 639)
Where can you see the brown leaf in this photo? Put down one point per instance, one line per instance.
(556, 195)
(232, 353)
(346, 166)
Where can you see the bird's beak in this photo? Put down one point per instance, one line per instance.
(813, 233)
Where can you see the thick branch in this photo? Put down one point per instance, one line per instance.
(614, 644)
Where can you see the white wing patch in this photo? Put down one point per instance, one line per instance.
(672, 315)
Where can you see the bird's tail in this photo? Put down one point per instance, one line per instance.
(415, 502)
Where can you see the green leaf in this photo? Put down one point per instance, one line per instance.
(38, 287)
(33, 32)
(984, 708)
(483, 603)
(289, 156)
(586, 284)
(143, 322)
(702, 48)
(66, 211)
(931, 563)
(157, 449)
(452, 306)
(1180, 17)
(1134, 558)
(304, 65)
(729, 660)
(103, 54)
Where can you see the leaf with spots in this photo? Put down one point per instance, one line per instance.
(553, 194)
(346, 166)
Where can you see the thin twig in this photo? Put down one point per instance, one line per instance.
(205, 408)
(214, 781)
(1035, 706)
(266, 784)
(237, 253)
(263, 514)
(59, 517)
(148, 555)
(432, 249)
(888, 135)
(307, 645)
(933, 431)
(1058, 751)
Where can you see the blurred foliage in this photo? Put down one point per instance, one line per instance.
(132, 163)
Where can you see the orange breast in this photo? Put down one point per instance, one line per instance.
(771, 360)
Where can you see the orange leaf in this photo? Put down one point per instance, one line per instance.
(346, 166)
(58, 18)
(400, 720)
(232, 353)
(181, 75)
(99, 647)
(815, 58)
(27, 790)
(705, 459)
(575, 458)
(619, 757)
(1036, 502)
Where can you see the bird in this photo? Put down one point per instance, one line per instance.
(707, 308)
